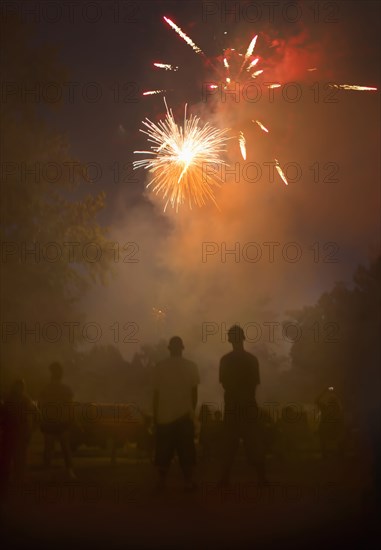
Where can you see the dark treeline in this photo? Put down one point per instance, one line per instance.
(346, 351)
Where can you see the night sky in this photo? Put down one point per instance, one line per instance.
(332, 136)
(118, 50)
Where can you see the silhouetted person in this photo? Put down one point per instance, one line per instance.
(56, 407)
(331, 426)
(239, 376)
(19, 415)
(175, 399)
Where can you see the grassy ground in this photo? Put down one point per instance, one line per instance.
(310, 503)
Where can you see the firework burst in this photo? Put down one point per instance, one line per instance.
(280, 172)
(155, 92)
(176, 162)
(242, 145)
(184, 160)
(186, 38)
(354, 87)
(262, 127)
(166, 66)
(235, 67)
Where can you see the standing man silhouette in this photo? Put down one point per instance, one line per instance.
(175, 399)
(239, 376)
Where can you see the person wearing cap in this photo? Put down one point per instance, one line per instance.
(174, 403)
(55, 403)
(239, 376)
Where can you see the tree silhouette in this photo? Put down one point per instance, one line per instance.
(54, 205)
(339, 342)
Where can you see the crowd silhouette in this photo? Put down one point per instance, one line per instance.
(170, 430)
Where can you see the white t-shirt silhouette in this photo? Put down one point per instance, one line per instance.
(174, 379)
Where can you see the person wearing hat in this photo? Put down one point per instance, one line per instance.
(239, 376)
(174, 403)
